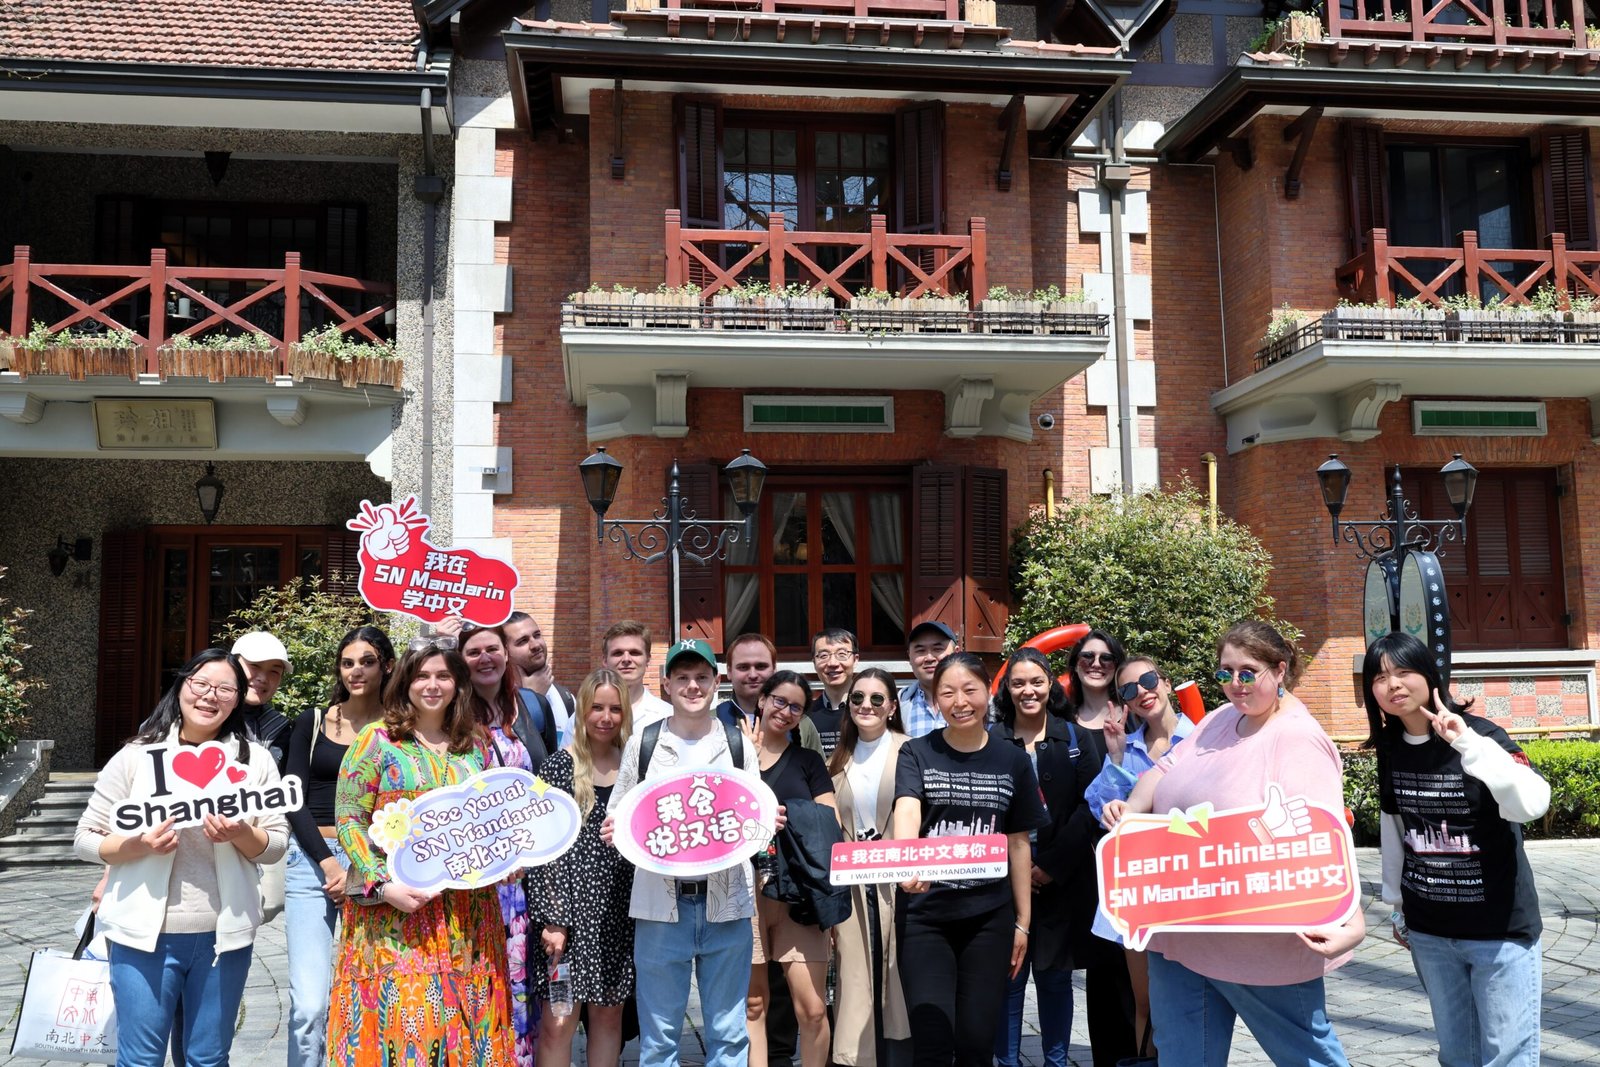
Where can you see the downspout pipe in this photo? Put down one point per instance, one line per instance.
(429, 188)
(1115, 174)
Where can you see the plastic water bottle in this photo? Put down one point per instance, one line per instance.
(561, 990)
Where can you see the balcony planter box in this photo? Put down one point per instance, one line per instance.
(1526, 326)
(74, 362)
(1584, 327)
(218, 365)
(1055, 312)
(925, 314)
(981, 12)
(811, 312)
(1385, 324)
(1300, 29)
(736, 312)
(363, 370)
(675, 310)
(607, 309)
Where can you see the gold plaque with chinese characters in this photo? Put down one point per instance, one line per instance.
(178, 425)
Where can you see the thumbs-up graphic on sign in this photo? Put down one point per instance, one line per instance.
(389, 538)
(1283, 818)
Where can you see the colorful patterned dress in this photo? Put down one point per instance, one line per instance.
(511, 752)
(426, 988)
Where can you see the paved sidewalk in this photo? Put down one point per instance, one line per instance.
(1376, 1004)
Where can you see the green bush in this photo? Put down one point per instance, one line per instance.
(1571, 767)
(1147, 568)
(15, 690)
(310, 622)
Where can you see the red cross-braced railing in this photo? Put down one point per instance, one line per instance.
(1385, 273)
(1550, 23)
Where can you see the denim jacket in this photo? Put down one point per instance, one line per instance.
(1114, 782)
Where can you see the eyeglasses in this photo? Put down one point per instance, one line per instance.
(205, 689)
(1244, 675)
(777, 704)
(1150, 680)
(842, 655)
(1096, 657)
(877, 700)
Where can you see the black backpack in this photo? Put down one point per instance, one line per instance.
(652, 735)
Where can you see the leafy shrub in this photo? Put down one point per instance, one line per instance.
(15, 690)
(1571, 767)
(334, 342)
(1146, 568)
(310, 622)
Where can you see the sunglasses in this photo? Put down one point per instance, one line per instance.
(1150, 680)
(442, 642)
(877, 700)
(1097, 657)
(1245, 676)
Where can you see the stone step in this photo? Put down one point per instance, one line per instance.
(37, 826)
(21, 852)
(62, 802)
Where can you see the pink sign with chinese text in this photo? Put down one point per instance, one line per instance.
(695, 822)
(933, 859)
(401, 570)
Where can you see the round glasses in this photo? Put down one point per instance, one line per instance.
(877, 700)
(777, 704)
(1097, 657)
(205, 689)
(840, 655)
(1244, 675)
(1150, 680)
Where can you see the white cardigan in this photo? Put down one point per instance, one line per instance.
(134, 907)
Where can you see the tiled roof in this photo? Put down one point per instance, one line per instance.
(352, 35)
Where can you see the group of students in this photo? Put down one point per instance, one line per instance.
(927, 973)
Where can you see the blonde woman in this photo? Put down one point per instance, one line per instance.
(582, 898)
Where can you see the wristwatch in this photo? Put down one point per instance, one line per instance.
(373, 895)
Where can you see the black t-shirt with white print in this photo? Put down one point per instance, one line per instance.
(990, 791)
(1465, 874)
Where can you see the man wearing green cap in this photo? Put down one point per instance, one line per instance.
(682, 927)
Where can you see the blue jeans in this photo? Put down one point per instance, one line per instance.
(1194, 1015)
(309, 918)
(1485, 999)
(185, 969)
(1055, 1015)
(719, 956)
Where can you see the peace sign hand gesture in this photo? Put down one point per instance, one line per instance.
(1446, 723)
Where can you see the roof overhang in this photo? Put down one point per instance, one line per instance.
(1062, 92)
(1339, 388)
(227, 97)
(631, 380)
(1397, 80)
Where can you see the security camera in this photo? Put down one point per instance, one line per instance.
(1047, 421)
(1251, 439)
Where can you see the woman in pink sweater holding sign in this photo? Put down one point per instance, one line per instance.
(1262, 748)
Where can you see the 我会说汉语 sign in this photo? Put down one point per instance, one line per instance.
(1284, 865)
(971, 857)
(695, 822)
(185, 783)
(401, 570)
(476, 832)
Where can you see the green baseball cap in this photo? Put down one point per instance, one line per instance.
(690, 647)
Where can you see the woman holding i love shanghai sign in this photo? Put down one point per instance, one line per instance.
(1239, 755)
(420, 976)
(181, 906)
(1455, 791)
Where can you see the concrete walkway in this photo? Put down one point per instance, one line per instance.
(1376, 1003)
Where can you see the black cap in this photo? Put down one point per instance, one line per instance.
(932, 624)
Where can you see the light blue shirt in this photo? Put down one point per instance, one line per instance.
(1114, 782)
(921, 718)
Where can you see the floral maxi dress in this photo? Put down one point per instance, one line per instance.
(425, 988)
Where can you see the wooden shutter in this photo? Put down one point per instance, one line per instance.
(985, 593)
(919, 168)
(1366, 164)
(1568, 189)
(700, 584)
(120, 670)
(1539, 593)
(938, 553)
(699, 127)
(341, 565)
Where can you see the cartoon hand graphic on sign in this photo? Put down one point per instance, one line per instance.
(390, 538)
(1281, 818)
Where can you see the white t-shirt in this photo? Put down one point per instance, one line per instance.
(648, 709)
(865, 772)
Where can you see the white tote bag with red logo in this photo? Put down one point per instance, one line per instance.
(67, 1013)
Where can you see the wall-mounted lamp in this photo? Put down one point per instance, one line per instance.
(209, 490)
(65, 550)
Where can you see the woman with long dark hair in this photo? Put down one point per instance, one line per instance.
(870, 1009)
(1455, 790)
(314, 881)
(181, 907)
(420, 975)
(1033, 710)
(1092, 664)
(960, 940)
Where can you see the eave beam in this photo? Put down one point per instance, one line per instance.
(1303, 128)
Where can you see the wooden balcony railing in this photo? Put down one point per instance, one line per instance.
(910, 264)
(1385, 273)
(282, 304)
(1550, 23)
(949, 10)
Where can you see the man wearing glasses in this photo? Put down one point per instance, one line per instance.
(927, 644)
(833, 653)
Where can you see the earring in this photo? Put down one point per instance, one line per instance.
(1280, 690)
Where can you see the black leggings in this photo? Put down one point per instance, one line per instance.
(953, 973)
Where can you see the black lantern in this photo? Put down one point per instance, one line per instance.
(1335, 479)
(209, 491)
(600, 474)
(746, 476)
(1460, 480)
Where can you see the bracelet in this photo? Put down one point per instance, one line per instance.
(1022, 929)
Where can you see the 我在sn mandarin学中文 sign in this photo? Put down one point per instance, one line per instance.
(401, 570)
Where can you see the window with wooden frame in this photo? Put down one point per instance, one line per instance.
(1506, 585)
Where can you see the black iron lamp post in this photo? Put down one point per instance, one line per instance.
(675, 532)
(1404, 574)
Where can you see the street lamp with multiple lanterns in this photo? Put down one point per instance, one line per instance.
(675, 532)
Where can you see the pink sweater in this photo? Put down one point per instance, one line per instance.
(1215, 764)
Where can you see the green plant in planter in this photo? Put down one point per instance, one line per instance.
(16, 691)
(1285, 321)
(335, 343)
(873, 296)
(255, 341)
(42, 337)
